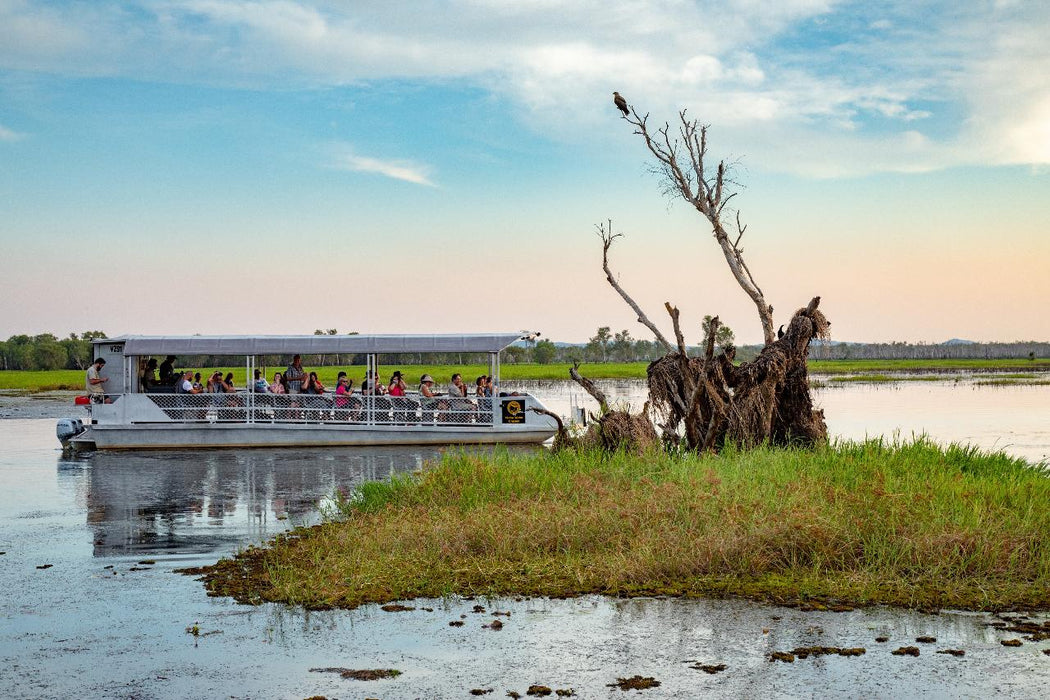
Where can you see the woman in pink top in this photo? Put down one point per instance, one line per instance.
(344, 387)
(397, 385)
(278, 384)
(344, 400)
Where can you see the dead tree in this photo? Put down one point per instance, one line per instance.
(708, 401)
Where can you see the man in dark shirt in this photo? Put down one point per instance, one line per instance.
(167, 371)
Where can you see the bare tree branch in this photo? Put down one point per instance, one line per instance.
(608, 237)
(589, 387)
(674, 314)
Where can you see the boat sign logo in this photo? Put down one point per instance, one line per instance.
(514, 411)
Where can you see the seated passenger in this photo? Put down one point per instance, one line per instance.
(456, 387)
(397, 384)
(350, 406)
(343, 388)
(214, 384)
(312, 385)
(459, 409)
(197, 382)
(479, 386)
(371, 386)
(185, 386)
(148, 379)
(428, 402)
(227, 384)
(260, 386)
(278, 384)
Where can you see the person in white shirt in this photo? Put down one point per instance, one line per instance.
(94, 381)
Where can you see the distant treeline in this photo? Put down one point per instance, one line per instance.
(921, 351)
(48, 352)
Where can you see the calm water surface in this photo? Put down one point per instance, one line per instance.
(101, 623)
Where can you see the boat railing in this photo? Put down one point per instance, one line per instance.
(247, 407)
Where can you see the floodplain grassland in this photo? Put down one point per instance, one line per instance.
(41, 380)
(842, 371)
(888, 366)
(913, 525)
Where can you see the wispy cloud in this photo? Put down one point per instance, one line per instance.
(406, 170)
(9, 135)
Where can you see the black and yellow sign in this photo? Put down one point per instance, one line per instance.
(514, 411)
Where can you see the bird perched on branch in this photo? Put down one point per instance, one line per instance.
(621, 104)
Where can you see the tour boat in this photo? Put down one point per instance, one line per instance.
(133, 418)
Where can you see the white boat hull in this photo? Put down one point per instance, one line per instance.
(186, 436)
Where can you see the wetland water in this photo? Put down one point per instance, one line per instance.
(108, 618)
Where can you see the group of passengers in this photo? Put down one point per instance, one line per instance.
(297, 381)
(190, 383)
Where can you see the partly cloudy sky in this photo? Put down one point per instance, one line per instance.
(278, 166)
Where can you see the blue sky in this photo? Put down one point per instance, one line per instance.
(201, 166)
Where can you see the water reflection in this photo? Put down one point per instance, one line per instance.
(197, 502)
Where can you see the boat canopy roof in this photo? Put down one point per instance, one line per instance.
(186, 345)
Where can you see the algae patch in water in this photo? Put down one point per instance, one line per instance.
(635, 683)
(360, 674)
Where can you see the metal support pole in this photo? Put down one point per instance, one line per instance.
(249, 382)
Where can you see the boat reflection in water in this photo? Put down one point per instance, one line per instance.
(195, 502)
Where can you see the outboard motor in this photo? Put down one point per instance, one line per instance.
(68, 428)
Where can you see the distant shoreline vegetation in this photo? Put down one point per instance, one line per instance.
(824, 372)
(914, 525)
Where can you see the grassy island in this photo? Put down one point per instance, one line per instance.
(912, 525)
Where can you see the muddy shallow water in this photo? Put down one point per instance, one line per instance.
(108, 618)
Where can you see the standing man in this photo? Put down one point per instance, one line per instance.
(94, 381)
(167, 371)
(295, 375)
